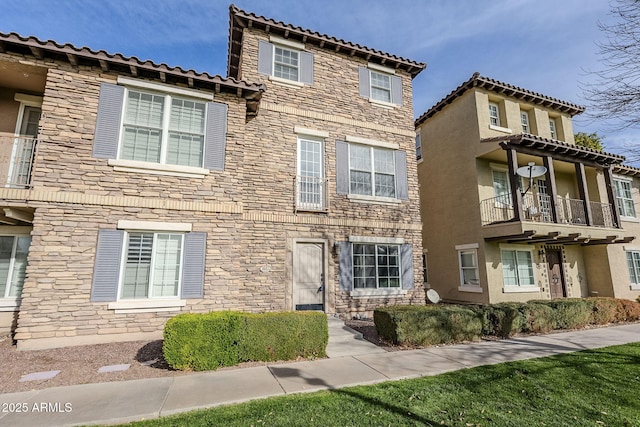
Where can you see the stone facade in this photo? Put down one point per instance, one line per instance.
(248, 210)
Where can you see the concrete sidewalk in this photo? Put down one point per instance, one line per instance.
(352, 361)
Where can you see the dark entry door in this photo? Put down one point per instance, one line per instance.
(556, 279)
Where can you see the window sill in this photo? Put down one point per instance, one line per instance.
(9, 304)
(147, 305)
(377, 293)
(629, 219)
(359, 198)
(284, 82)
(121, 165)
(520, 289)
(383, 104)
(500, 129)
(470, 288)
(635, 287)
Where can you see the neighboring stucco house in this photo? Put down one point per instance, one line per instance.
(133, 191)
(490, 235)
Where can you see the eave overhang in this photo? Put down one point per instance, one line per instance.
(119, 64)
(239, 20)
(505, 89)
(558, 150)
(531, 237)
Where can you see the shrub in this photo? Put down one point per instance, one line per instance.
(427, 325)
(201, 342)
(604, 310)
(538, 318)
(283, 336)
(627, 310)
(208, 341)
(570, 313)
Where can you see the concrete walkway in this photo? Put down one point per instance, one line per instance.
(352, 361)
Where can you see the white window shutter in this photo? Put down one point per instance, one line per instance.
(105, 137)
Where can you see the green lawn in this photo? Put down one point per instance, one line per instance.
(590, 388)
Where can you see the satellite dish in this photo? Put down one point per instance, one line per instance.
(531, 171)
(433, 296)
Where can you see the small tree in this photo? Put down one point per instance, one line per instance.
(589, 140)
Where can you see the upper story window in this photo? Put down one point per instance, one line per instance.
(524, 121)
(380, 85)
(624, 198)
(418, 146)
(371, 170)
(285, 61)
(552, 128)
(144, 126)
(494, 114)
(311, 185)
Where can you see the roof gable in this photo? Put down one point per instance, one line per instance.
(239, 19)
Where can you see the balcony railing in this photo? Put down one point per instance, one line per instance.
(16, 161)
(537, 207)
(311, 193)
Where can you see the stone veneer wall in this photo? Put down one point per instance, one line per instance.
(248, 210)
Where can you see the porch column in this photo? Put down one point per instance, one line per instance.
(516, 195)
(608, 180)
(550, 177)
(584, 193)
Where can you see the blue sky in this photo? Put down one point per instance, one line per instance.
(542, 45)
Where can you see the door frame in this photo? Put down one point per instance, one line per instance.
(563, 282)
(325, 268)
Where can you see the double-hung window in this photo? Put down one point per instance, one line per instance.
(418, 146)
(13, 264)
(468, 263)
(524, 121)
(552, 128)
(624, 198)
(517, 267)
(372, 171)
(633, 262)
(311, 185)
(163, 129)
(376, 266)
(380, 84)
(285, 61)
(150, 127)
(152, 266)
(494, 114)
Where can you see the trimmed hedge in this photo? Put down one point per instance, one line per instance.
(427, 325)
(447, 323)
(208, 341)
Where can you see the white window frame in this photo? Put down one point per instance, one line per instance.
(471, 248)
(275, 62)
(373, 86)
(553, 128)
(377, 277)
(313, 137)
(425, 266)
(123, 262)
(418, 147)
(494, 114)
(633, 269)
(519, 287)
(524, 121)
(499, 203)
(8, 302)
(621, 198)
(372, 149)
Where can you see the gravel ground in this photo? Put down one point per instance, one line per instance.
(79, 365)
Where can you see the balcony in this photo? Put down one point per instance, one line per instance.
(537, 208)
(311, 193)
(16, 161)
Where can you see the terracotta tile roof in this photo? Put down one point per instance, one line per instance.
(504, 89)
(626, 170)
(240, 19)
(32, 46)
(529, 143)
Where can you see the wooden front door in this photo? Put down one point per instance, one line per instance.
(308, 276)
(557, 286)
